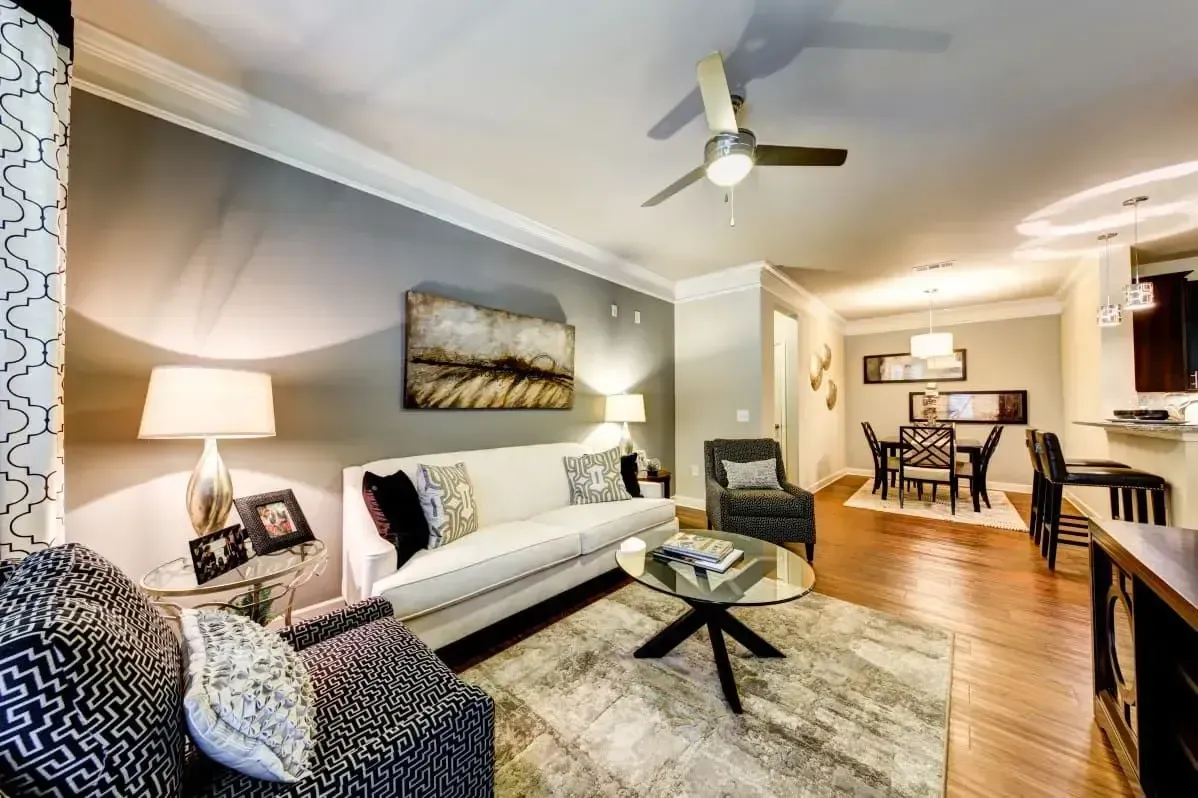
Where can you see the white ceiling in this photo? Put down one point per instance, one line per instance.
(980, 115)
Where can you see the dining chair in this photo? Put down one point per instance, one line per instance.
(975, 469)
(929, 454)
(882, 463)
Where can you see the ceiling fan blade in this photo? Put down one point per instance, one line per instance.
(717, 100)
(768, 155)
(672, 189)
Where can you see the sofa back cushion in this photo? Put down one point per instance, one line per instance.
(90, 682)
(510, 484)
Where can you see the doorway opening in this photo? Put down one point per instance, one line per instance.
(786, 400)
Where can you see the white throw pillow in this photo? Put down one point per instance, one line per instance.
(596, 478)
(761, 474)
(447, 499)
(248, 700)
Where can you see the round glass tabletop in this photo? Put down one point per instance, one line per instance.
(178, 577)
(766, 574)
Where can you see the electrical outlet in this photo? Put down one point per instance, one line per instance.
(742, 416)
(636, 317)
(694, 471)
(615, 311)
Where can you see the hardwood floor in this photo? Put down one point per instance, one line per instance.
(1021, 720)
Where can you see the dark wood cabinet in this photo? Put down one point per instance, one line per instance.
(1162, 335)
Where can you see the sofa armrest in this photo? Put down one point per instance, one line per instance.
(366, 557)
(715, 503)
(799, 493)
(331, 624)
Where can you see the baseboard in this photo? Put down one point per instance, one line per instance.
(317, 609)
(1005, 487)
(690, 502)
(820, 484)
(1086, 510)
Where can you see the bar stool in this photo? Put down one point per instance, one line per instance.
(1058, 473)
(1038, 481)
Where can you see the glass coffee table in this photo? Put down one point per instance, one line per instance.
(767, 574)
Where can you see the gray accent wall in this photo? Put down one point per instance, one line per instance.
(184, 249)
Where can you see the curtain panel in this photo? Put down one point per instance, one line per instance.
(35, 92)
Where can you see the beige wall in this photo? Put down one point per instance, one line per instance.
(1016, 354)
(184, 249)
(717, 371)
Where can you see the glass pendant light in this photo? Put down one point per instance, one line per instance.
(931, 344)
(1109, 314)
(1137, 295)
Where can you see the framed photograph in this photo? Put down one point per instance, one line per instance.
(901, 367)
(218, 553)
(972, 407)
(274, 521)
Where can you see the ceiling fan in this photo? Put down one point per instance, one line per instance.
(733, 151)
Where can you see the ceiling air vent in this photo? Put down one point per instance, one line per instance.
(933, 267)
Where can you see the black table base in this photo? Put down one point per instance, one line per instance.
(718, 620)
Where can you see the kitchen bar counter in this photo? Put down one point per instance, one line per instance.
(1170, 450)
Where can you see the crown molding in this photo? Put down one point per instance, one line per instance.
(951, 317)
(116, 69)
(761, 275)
(778, 283)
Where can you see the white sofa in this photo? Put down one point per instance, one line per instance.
(531, 543)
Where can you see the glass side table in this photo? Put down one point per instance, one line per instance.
(256, 586)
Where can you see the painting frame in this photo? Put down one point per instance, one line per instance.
(1020, 402)
(267, 540)
(880, 380)
(437, 377)
(207, 563)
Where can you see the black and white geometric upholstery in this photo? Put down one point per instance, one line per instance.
(90, 682)
(391, 720)
(779, 516)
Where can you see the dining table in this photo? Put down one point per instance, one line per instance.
(892, 445)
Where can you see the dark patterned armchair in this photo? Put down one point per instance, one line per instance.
(779, 516)
(91, 683)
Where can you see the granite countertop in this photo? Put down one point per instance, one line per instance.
(1186, 431)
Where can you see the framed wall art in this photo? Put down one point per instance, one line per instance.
(902, 367)
(467, 357)
(973, 407)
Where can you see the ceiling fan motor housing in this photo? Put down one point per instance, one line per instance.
(723, 144)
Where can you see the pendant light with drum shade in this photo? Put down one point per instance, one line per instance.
(932, 344)
(1109, 314)
(1137, 295)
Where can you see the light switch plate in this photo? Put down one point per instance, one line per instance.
(742, 416)
(636, 317)
(615, 311)
(694, 471)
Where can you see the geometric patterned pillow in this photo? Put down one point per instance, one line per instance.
(249, 702)
(757, 474)
(596, 478)
(447, 499)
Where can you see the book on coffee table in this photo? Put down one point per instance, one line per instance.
(698, 546)
(718, 566)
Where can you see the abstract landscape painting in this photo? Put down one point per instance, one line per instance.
(466, 357)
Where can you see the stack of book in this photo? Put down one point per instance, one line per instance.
(703, 552)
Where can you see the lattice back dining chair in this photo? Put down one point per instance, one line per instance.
(929, 454)
(882, 464)
(978, 480)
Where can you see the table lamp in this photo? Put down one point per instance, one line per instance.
(622, 409)
(207, 403)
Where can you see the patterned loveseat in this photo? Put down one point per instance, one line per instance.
(91, 681)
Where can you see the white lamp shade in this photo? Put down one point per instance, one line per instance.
(196, 402)
(626, 407)
(932, 344)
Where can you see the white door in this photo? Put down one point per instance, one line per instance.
(781, 383)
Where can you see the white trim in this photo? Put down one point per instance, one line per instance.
(118, 70)
(725, 281)
(782, 286)
(1074, 275)
(820, 484)
(949, 317)
(1085, 509)
(690, 502)
(317, 609)
(1005, 487)
(858, 472)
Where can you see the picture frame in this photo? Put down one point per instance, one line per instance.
(972, 407)
(899, 367)
(218, 552)
(274, 521)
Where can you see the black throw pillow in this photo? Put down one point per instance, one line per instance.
(628, 471)
(395, 509)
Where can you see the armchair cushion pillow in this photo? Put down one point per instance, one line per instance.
(447, 498)
(628, 471)
(394, 506)
(757, 474)
(248, 699)
(595, 478)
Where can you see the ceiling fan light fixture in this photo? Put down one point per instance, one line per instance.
(728, 157)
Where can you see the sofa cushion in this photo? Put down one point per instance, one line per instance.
(447, 498)
(394, 723)
(478, 562)
(599, 525)
(595, 478)
(394, 508)
(764, 504)
(90, 682)
(629, 469)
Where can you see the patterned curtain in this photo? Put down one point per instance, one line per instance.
(35, 93)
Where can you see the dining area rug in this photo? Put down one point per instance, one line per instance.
(858, 706)
(1000, 515)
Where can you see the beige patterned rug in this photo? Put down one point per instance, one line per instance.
(858, 707)
(1000, 515)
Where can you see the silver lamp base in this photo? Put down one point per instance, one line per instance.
(627, 446)
(209, 491)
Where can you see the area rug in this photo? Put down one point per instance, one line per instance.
(1000, 515)
(858, 707)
